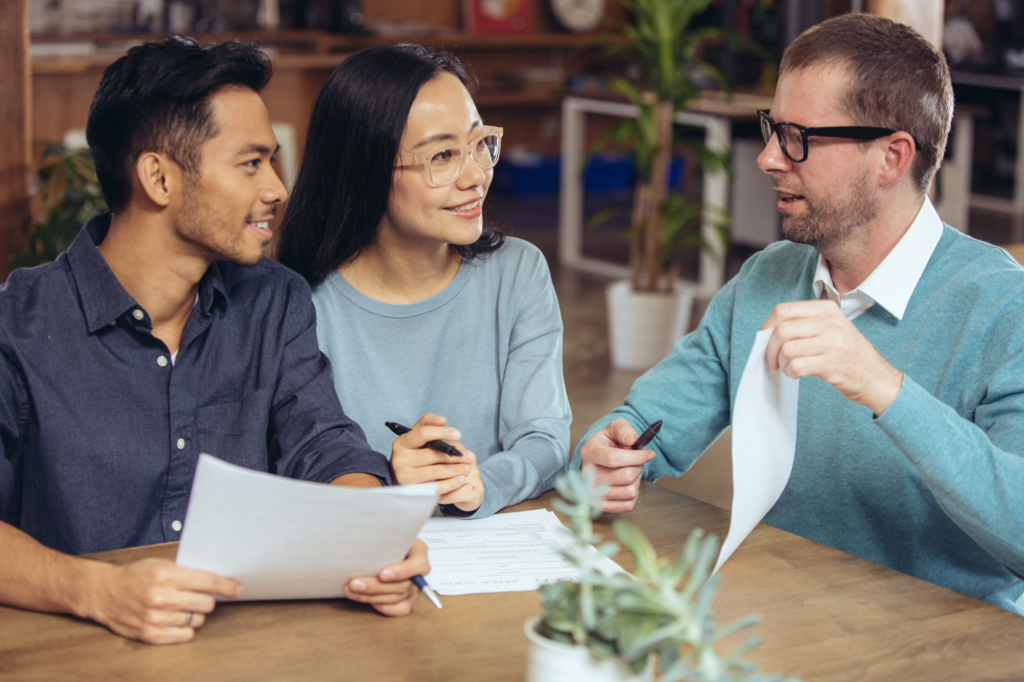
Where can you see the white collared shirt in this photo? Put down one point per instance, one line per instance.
(893, 282)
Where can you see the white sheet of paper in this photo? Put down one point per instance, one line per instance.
(763, 443)
(513, 552)
(288, 539)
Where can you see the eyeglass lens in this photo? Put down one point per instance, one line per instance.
(446, 165)
(790, 138)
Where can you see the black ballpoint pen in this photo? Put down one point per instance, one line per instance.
(438, 445)
(647, 436)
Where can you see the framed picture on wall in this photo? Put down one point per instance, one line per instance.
(498, 16)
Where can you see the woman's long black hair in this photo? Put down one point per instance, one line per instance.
(344, 183)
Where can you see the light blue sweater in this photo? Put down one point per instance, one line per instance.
(934, 487)
(486, 352)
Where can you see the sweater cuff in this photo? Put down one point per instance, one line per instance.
(453, 511)
(916, 422)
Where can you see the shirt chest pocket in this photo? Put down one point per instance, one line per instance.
(237, 432)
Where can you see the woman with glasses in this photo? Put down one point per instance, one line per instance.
(429, 319)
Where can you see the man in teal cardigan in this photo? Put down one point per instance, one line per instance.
(906, 335)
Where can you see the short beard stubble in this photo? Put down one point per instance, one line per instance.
(831, 221)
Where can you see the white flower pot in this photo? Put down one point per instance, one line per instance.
(551, 661)
(643, 326)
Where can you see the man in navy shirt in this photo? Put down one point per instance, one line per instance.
(163, 332)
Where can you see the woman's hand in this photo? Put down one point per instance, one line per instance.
(458, 478)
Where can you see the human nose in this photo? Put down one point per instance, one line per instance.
(472, 173)
(772, 158)
(274, 191)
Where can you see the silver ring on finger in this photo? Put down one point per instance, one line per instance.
(188, 619)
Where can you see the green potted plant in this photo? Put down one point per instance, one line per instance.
(611, 627)
(69, 195)
(665, 53)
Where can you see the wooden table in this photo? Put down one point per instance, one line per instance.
(827, 616)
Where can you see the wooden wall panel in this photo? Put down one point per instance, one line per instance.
(15, 130)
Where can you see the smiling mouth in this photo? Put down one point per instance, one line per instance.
(261, 226)
(465, 208)
(789, 198)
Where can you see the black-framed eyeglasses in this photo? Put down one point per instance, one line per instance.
(793, 136)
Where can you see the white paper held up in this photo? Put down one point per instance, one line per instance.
(287, 539)
(763, 443)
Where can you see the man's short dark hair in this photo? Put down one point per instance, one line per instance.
(897, 79)
(156, 98)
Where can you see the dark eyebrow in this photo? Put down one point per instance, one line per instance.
(256, 147)
(444, 137)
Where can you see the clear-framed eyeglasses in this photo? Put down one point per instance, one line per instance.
(443, 166)
(793, 136)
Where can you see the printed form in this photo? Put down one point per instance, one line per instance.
(513, 552)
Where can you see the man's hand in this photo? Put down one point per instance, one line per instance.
(150, 600)
(458, 478)
(814, 338)
(391, 592)
(608, 453)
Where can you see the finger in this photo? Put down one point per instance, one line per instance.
(162, 605)
(436, 472)
(622, 492)
(602, 455)
(403, 608)
(798, 309)
(618, 506)
(467, 455)
(416, 563)
(617, 476)
(467, 497)
(787, 332)
(419, 437)
(368, 589)
(430, 419)
(393, 597)
(151, 634)
(621, 433)
(448, 487)
(163, 573)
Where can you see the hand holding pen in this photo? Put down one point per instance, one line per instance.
(420, 455)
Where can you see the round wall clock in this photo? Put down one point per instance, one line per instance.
(578, 16)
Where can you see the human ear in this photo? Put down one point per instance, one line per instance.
(158, 176)
(900, 153)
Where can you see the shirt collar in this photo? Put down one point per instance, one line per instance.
(892, 283)
(103, 298)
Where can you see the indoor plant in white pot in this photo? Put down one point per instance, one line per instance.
(651, 311)
(613, 627)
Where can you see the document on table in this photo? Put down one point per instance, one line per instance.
(287, 539)
(763, 443)
(512, 552)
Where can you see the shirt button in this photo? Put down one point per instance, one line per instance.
(162, 361)
(138, 314)
(181, 443)
(176, 525)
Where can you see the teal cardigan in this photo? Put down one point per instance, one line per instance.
(934, 487)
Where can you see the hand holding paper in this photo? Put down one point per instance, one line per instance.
(814, 338)
(286, 539)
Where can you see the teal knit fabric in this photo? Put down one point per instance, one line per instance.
(485, 352)
(934, 487)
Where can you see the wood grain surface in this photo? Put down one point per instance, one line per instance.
(826, 616)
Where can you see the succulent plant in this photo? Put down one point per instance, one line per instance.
(665, 609)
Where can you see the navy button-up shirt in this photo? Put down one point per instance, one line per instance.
(101, 432)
